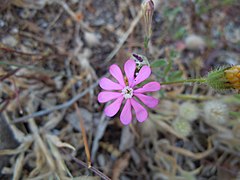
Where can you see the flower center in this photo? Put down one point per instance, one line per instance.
(127, 92)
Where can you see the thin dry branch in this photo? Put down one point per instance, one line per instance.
(56, 108)
(124, 38)
(83, 135)
(93, 169)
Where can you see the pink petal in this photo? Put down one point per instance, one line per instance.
(107, 96)
(113, 108)
(143, 74)
(149, 87)
(108, 84)
(149, 101)
(141, 112)
(126, 114)
(117, 74)
(129, 68)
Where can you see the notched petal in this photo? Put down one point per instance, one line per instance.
(113, 108)
(107, 96)
(149, 101)
(143, 74)
(116, 72)
(140, 111)
(126, 114)
(149, 87)
(129, 68)
(108, 84)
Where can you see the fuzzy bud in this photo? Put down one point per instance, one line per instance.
(216, 112)
(224, 78)
(182, 127)
(188, 111)
(216, 79)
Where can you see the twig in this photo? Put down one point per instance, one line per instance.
(7, 49)
(93, 169)
(84, 135)
(41, 145)
(9, 74)
(193, 155)
(55, 108)
(99, 134)
(124, 38)
(17, 95)
(4, 106)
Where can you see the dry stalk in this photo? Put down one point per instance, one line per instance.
(41, 144)
(83, 135)
(93, 169)
(190, 154)
(124, 38)
(18, 166)
(166, 127)
(58, 107)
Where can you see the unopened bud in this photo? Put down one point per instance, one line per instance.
(147, 10)
(188, 111)
(225, 78)
(182, 127)
(216, 112)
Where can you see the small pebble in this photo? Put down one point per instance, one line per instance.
(2, 23)
(195, 42)
(9, 41)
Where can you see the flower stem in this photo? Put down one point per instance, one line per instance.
(197, 80)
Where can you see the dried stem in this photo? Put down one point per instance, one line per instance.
(93, 169)
(124, 38)
(55, 108)
(84, 135)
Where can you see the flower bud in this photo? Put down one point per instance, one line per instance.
(216, 112)
(182, 127)
(188, 111)
(216, 79)
(147, 10)
(224, 78)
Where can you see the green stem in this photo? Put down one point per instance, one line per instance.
(146, 41)
(199, 80)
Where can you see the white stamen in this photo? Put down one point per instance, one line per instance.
(127, 92)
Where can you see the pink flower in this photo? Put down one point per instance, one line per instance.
(120, 91)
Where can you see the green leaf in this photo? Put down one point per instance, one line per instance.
(176, 75)
(181, 32)
(173, 54)
(168, 67)
(146, 41)
(158, 63)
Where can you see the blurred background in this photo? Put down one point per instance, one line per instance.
(52, 53)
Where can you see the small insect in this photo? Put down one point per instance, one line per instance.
(140, 60)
